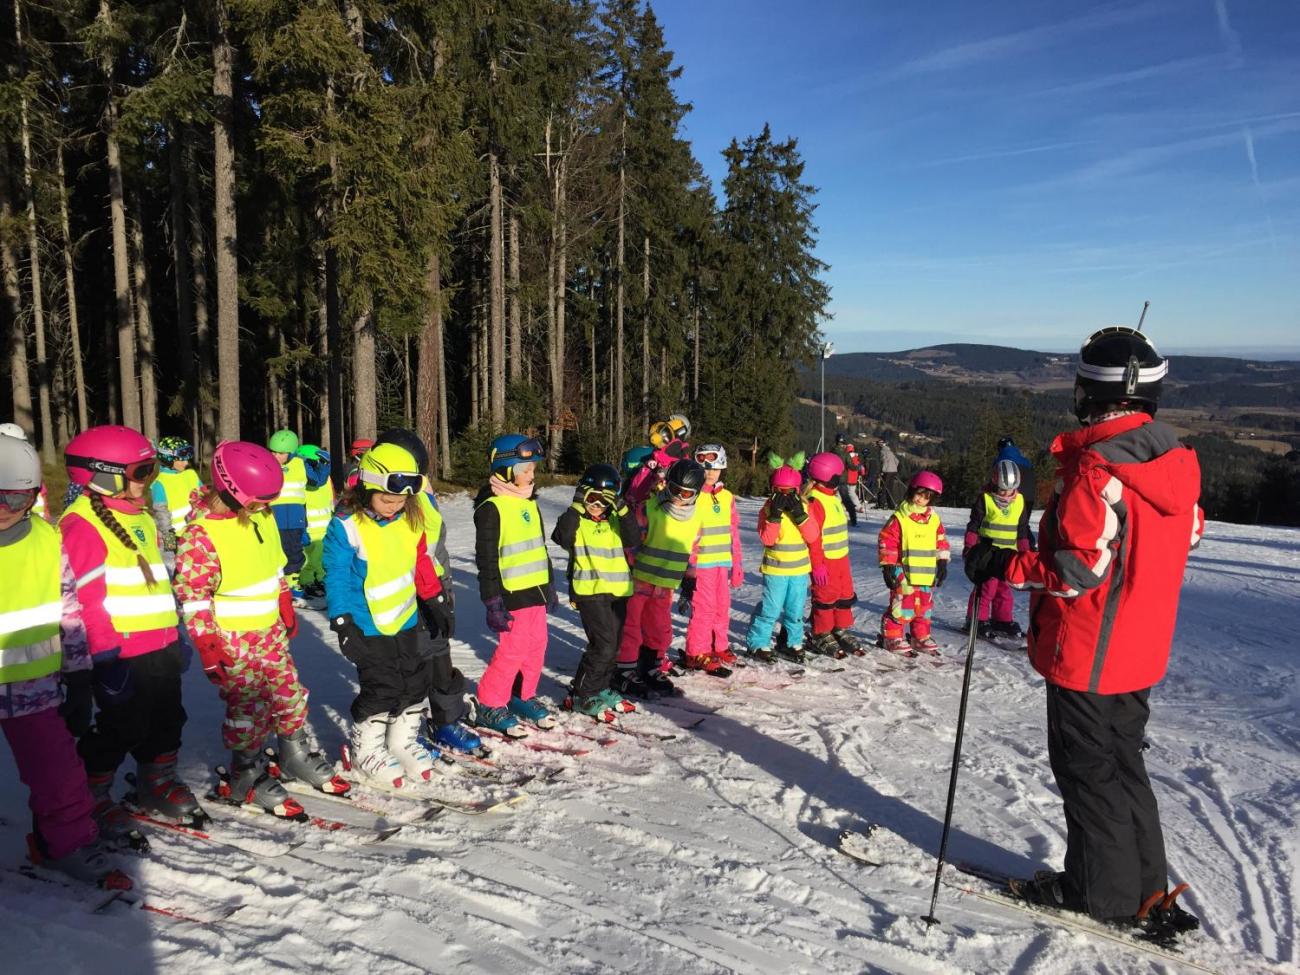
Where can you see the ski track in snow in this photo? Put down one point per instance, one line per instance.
(715, 852)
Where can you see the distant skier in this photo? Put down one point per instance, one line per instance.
(887, 477)
(1114, 543)
(853, 470)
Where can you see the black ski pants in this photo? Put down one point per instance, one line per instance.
(602, 617)
(394, 672)
(1115, 850)
(294, 556)
(138, 710)
(850, 502)
(447, 702)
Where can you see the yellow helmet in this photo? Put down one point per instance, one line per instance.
(389, 468)
(661, 433)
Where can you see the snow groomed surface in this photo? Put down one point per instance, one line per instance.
(715, 851)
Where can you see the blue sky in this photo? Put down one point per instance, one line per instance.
(1022, 173)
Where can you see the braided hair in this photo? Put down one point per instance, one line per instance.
(112, 524)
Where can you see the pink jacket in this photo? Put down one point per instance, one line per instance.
(87, 554)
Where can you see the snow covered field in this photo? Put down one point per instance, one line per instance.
(715, 852)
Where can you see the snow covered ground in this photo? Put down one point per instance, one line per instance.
(715, 852)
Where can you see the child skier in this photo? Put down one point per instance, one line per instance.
(171, 491)
(43, 646)
(514, 582)
(833, 594)
(320, 509)
(596, 530)
(379, 583)
(111, 542)
(41, 509)
(792, 551)
(237, 608)
(1001, 516)
(668, 442)
(290, 508)
(914, 555)
(672, 530)
(706, 596)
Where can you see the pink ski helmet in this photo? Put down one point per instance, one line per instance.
(785, 473)
(245, 472)
(825, 467)
(926, 479)
(105, 458)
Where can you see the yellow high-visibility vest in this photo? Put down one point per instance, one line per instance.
(715, 532)
(789, 556)
(177, 487)
(599, 565)
(432, 531)
(320, 509)
(666, 552)
(31, 605)
(252, 564)
(521, 549)
(295, 483)
(389, 552)
(920, 549)
(1002, 528)
(835, 529)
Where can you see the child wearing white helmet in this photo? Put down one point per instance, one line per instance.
(41, 509)
(706, 596)
(999, 515)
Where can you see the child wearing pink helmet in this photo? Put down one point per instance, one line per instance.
(110, 539)
(833, 594)
(914, 555)
(792, 551)
(237, 607)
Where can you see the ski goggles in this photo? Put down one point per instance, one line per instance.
(183, 453)
(682, 493)
(395, 482)
(18, 500)
(141, 471)
(528, 451)
(707, 456)
(597, 496)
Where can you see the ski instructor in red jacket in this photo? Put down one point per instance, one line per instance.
(1105, 582)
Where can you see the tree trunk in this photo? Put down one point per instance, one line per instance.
(334, 346)
(365, 422)
(70, 285)
(46, 433)
(18, 375)
(184, 286)
(428, 392)
(223, 183)
(695, 382)
(516, 312)
(204, 398)
(144, 325)
(475, 400)
(561, 308)
(130, 394)
(496, 298)
(407, 410)
(645, 332)
(323, 353)
(619, 297)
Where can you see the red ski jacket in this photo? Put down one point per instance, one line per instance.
(1113, 544)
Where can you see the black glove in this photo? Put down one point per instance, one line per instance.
(984, 561)
(796, 510)
(438, 616)
(351, 639)
(778, 503)
(78, 701)
(686, 596)
(893, 575)
(111, 681)
(940, 573)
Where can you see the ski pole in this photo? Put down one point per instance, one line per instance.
(931, 919)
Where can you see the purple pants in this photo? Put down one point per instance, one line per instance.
(49, 766)
(710, 611)
(997, 594)
(520, 652)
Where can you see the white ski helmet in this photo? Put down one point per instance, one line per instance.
(711, 456)
(1006, 475)
(20, 468)
(12, 430)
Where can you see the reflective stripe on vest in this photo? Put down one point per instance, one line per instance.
(789, 556)
(599, 565)
(715, 535)
(295, 483)
(132, 604)
(252, 563)
(320, 509)
(177, 486)
(1002, 528)
(389, 552)
(920, 549)
(521, 549)
(666, 551)
(432, 531)
(835, 529)
(31, 605)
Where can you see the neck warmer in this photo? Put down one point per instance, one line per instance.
(681, 514)
(508, 489)
(17, 531)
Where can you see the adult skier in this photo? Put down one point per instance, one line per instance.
(853, 470)
(1105, 583)
(887, 478)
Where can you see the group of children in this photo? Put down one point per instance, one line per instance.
(148, 564)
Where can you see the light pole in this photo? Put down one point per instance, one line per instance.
(826, 351)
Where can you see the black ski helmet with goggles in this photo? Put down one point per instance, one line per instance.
(1118, 366)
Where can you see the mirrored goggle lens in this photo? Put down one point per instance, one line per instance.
(594, 496)
(397, 483)
(185, 453)
(684, 493)
(143, 472)
(707, 456)
(17, 500)
(528, 450)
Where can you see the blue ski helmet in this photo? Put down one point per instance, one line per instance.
(510, 449)
(634, 458)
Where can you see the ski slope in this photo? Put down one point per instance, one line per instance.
(716, 851)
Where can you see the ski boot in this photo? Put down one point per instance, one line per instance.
(899, 645)
(456, 737)
(296, 760)
(499, 720)
(628, 682)
(793, 654)
(1047, 888)
(616, 702)
(249, 782)
(369, 755)
(985, 631)
(90, 864)
(925, 644)
(160, 794)
(706, 662)
(1168, 917)
(594, 707)
(659, 684)
(1008, 629)
(849, 643)
(826, 645)
(117, 830)
(763, 655)
(728, 657)
(532, 711)
(417, 758)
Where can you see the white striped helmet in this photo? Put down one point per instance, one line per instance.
(711, 456)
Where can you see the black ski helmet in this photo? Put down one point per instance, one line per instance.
(1005, 442)
(408, 441)
(841, 439)
(600, 477)
(1118, 364)
(687, 475)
